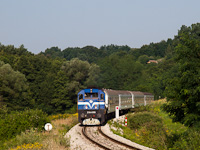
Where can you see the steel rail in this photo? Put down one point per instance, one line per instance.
(91, 140)
(116, 141)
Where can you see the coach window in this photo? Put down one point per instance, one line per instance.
(80, 97)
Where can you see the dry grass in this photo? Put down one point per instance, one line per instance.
(52, 144)
(56, 136)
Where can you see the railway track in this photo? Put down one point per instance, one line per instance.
(96, 136)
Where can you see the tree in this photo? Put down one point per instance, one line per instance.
(153, 49)
(70, 53)
(120, 72)
(79, 74)
(13, 88)
(61, 97)
(53, 52)
(143, 59)
(90, 54)
(93, 75)
(110, 49)
(40, 73)
(10, 49)
(183, 90)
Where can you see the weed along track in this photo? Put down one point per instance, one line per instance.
(96, 136)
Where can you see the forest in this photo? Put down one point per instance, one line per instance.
(49, 81)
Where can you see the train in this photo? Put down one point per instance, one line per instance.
(94, 105)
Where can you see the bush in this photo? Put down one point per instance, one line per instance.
(140, 119)
(25, 139)
(153, 107)
(188, 140)
(15, 123)
(148, 130)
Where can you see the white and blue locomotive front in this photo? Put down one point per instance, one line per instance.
(91, 107)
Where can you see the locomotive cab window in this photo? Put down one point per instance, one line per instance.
(91, 95)
(80, 97)
(102, 97)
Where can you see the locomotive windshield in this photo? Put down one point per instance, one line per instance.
(91, 95)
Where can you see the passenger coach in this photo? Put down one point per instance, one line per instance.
(95, 104)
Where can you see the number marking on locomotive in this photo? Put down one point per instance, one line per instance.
(91, 112)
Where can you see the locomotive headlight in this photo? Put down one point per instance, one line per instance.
(95, 106)
(99, 115)
(86, 107)
(82, 115)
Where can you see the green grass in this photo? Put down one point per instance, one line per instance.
(173, 127)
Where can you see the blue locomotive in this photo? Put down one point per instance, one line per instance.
(95, 104)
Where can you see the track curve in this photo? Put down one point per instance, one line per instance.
(93, 141)
(104, 141)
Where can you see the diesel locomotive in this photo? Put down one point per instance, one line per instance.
(95, 104)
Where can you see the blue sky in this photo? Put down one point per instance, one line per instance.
(41, 24)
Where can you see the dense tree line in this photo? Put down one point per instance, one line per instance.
(36, 81)
(88, 53)
(50, 80)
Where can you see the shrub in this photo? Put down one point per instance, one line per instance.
(188, 140)
(148, 129)
(139, 119)
(24, 140)
(29, 137)
(17, 122)
(154, 107)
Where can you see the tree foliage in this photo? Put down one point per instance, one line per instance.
(157, 50)
(13, 87)
(120, 72)
(183, 90)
